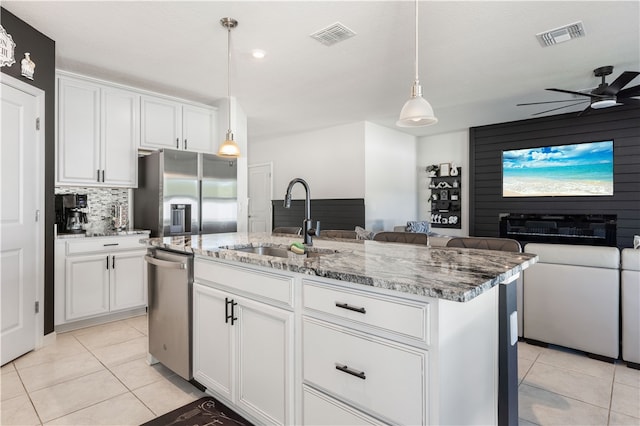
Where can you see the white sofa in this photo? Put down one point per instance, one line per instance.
(571, 297)
(630, 287)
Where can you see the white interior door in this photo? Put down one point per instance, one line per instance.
(21, 258)
(260, 195)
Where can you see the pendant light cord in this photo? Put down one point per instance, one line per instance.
(417, 78)
(229, 74)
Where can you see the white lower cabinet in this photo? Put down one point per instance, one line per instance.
(86, 286)
(320, 409)
(98, 276)
(103, 283)
(289, 348)
(243, 348)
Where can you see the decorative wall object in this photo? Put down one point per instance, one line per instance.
(7, 48)
(445, 198)
(28, 66)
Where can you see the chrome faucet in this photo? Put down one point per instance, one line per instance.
(308, 230)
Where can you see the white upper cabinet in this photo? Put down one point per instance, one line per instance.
(161, 123)
(78, 144)
(174, 125)
(98, 134)
(199, 129)
(120, 133)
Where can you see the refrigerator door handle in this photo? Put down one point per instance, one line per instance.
(165, 263)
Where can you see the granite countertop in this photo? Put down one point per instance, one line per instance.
(105, 234)
(455, 274)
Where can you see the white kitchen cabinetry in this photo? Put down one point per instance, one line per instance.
(98, 134)
(371, 357)
(243, 345)
(174, 125)
(99, 276)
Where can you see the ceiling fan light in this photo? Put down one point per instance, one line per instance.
(416, 112)
(605, 103)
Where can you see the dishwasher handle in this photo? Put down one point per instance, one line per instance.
(164, 263)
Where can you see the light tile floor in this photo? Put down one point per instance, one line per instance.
(99, 376)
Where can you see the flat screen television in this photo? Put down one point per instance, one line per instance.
(583, 169)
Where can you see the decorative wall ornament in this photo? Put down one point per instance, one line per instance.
(7, 48)
(28, 66)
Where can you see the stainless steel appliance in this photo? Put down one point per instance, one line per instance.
(170, 288)
(183, 193)
(70, 219)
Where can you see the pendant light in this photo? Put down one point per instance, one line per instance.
(229, 148)
(416, 112)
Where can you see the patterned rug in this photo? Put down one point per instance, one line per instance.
(206, 411)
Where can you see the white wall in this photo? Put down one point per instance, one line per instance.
(390, 178)
(445, 148)
(330, 160)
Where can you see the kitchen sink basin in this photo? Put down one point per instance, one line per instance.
(282, 251)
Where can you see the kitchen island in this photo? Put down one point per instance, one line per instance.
(358, 332)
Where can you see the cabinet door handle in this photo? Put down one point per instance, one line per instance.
(229, 303)
(107, 262)
(348, 370)
(177, 143)
(102, 175)
(98, 175)
(110, 244)
(351, 308)
(113, 262)
(185, 144)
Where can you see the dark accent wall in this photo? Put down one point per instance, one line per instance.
(343, 214)
(43, 53)
(486, 143)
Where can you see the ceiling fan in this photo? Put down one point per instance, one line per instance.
(603, 96)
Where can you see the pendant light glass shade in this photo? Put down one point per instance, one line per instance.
(416, 112)
(229, 147)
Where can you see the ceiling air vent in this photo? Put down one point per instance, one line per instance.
(333, 34)
(559, 35)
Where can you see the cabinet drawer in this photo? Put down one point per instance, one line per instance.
(377, 375)
(397, 316)
(91, 245)
(265, 285)
(320, 409)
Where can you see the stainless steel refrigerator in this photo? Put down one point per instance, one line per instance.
(185, 193)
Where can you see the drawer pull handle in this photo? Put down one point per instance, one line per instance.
(111, 244)
(351, 308)
(346, 369)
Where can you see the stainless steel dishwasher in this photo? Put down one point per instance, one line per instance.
(170, 288)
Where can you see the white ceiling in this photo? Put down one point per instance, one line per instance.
(478, 59)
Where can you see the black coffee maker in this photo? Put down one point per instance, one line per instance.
(69, 216)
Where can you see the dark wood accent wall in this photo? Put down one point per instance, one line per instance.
(486, 143)
(343, 214)
(43, 53)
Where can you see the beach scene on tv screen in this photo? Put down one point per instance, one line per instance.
(565, 170)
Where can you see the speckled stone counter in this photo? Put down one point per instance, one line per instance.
(446, 273)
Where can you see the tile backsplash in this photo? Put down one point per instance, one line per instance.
(100, 203)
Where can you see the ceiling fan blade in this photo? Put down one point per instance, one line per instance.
(622, 80)
(629, 101)
(585, 111)
(549, 102)
(555, 109)
(591, 95)
(629, 92)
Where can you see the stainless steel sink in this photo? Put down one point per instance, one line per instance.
(282, 251)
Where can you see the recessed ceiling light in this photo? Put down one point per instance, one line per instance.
(258, 54)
